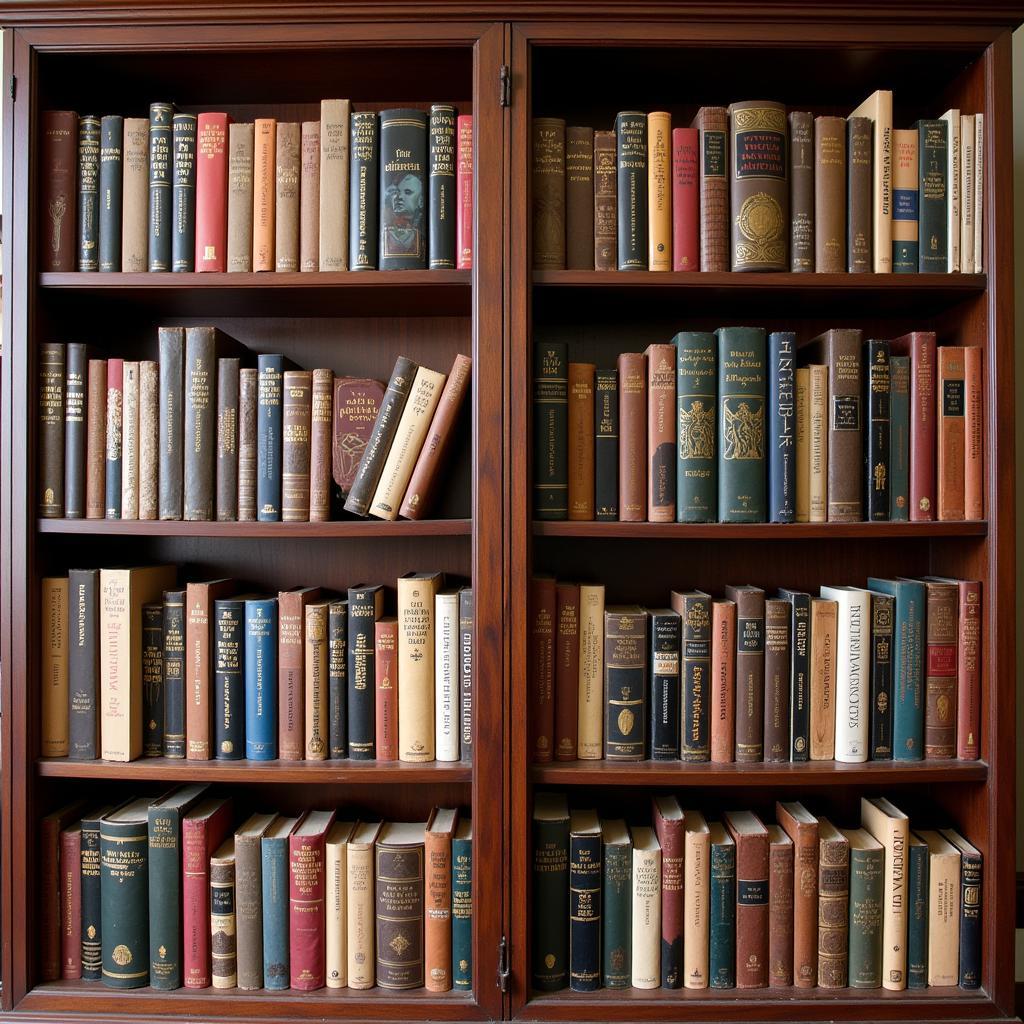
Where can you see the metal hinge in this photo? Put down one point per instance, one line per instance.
(14, 86)
(503, 970)
(505, 87)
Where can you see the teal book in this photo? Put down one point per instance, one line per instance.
(722, 921)
(550, 431)
(696, 400)
(741, 424)
(918, 861)
(550, 892)
(616, 904)
(899, 438)
(274, 848)
(462, 907)
(907, 666)
(933, 196)
(867, 878)
(92, 922)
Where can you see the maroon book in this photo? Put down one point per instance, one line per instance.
(668, 826)
(71, 903)
(751, 838)
(212, 192)
(58, 212)
(920, 346)
(464, 191)
(203, 829)
(385, 648)
(307, 891)
(685, 199)
(542, 611)
(567, 669)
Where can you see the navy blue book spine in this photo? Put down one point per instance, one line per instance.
(970, 919)
(782, 427)
(268, 438)
(585, 911)
(260, 660)
(229, 680)
(800, 674)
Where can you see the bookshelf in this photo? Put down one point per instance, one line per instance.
(583, 62)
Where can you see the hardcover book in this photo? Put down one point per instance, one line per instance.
(548, 192)
(741, 424)
(645, 924)
(361, 906)
(399, 870)
(584, 901)
(696, 398)
(669, 828)
(752, 908)
(712, 123)
(550, 892)
(616, 904)
(833, 900)
(124, 876)
(625, 682)
(403, 189)
(632, 198)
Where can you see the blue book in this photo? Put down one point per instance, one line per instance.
(722, 924)
(274, 848)
(917, 912)
(269, 448)
(229, 679)
(970, 909)
(261, 679)
(696, 402)
(781, 427)
(462, 906)
(907, 666)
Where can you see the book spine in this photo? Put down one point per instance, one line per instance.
(362, 672)
(580, 436)
(130, 442)
(309, 198)
(899, 438)
(904, 201)
(951, 433)
(229, 680)
(933, 191)
(696, 891)
(547, 188)
(269, 438)
(818, 429)
(752, 910)
(852, 692)
(632, 437)
(275, 886)
(423, 688)
(211, 193)
(223, 948)
(781, 427)
(264, 193)
(616, 896)
(241, 155)
(882, 616)
(859, 240)
(830, 252)
(399, 903)
(922, 426)
(550, 431)
(722, 928)
(968, 713)
(712, 122)
(88, 192)
(361, 959)
(685, 199)
(135, 196)
(750, 646)
(780, 906)
(364, 205)
(606, 446)
(174, 674)
(248, 444)
(661, 433)
(800, 676)
(59, 192)
(249, 911)
(670, 676)
(335, 218)
(579, 198)
(172, 420)
(261, 672)
(321, 418)
(337, 682)
(908, 671)
(161, 220)
(317, 728)
(846, 426)
(296, 421)
(96, 441)
(723, 681)
(149, 439)
(833, 921)
(71, 904)
(291, 679)
(287, 172)
(542, 607)
(115, 411)
(696, 397)
(867, 870)
(52, 375)
(467, 685)
(464, 194)
(970, 920)
(659, 190)
(83, 663)
(567, 670)
(803, 188)
(307, 891)
(645, 925)
(111, 191)
(49, 897)
(917, 922)
(974, 434)
(441, 157)
(741, 423)
(56, 643)
(92, 926)
(877, 450)
(124, 863)
(183, 192)
(625, 687)
(777, 669)
(152, 680)
(941, 670)
(437, 911)
(590, 718)
(605, 191)
(227, 439)
(585, 912)
(200, 441)
(979, 191)
(462, 914)
(697, 642)
(403, 175)
(632, 203)
(805, 901)
(197, 839)
(672, 839)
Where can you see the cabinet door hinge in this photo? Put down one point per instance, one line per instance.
(505, 86)
(503, 970)
(14, 86)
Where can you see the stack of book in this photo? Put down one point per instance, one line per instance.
(750, 188)
(740, 426)
(165, 892)
(200, 435)
(135, 664)
(690, 903)
(184, 192)
(882, 672)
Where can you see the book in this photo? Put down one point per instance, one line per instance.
(890, 827)
(780, 904)
(950, 460)
(336, 903)
(799, 673)
(203, 829)
(859, 194)
(550, 944)
(287, 181)
(161, 218)
(115, 413)
(417, 594)
(830, 251)
(967, 187)
(741, 424)
(264, 193)
(979, 200)
(696, 398)
(581, 441)
(542, 612)
(226, 504)
(291, 680)
(462, 906)
(878, 109)
(633, 465)
(183, 192)
(309, 197)
(685, 199)
(92, 925)
(942, 601)
(659, 190)
(833, 899)
(223, 949)
(149, 439)
(917, 912)
(802, 828)
(56, 642)
(135, 196)
(439, 872)
(933, 198)
(124, 874)
(777, 672)
(550, 431)
(696, 893)
(307, 891)
(632, 190)
(899, 438)
(152, 679)
(802, 419)
(867, 868)
(566, 671)
(712, 123)
(269, 435)
(83, 649)
(943, 909)
(781, 427)
(464, 243)
(616, 904)
(590, 701)
(355, 405)
(968, 711)
(71, 902)
(365, 604)
(364, 176)
(87, 206)
(723, 681)
(275, 881)
(172, 420)
(952, 212)
(316, 657)
(669, 822)
(200, 664)
(877, 430)
(666, 670)
(974, 434)
(111, 191)
(403, 189)
(970, 908)
(337, 682)
(853, 664)
(175, 699)
(261, 672)
(905, 197)
(50, 888)
(749, 692)
(722, 913)
(645, 919)
(818, 441)
(606, 446)
(802, 191)
(211, 224)
(467, 684)
(584, 901)
(547, 179)
(446, 674)
(248, 389)
(625, 682)
(241, 157)
(335, 215)
(694, 672)
(579, 198)
(824, 637)
(249, 899)
(880, 660)
(920, 347)
(386, 699)
(96, 441)
(661, 433)
(130, 441)
(360, 939)
(605, 205)
(51, 430)
(752, 908)
(296, 422)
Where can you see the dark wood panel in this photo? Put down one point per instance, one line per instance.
(758, 531)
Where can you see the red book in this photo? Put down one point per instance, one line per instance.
(71, 903)
(751, 838)
(542, 611)
(58, 163)
(968, 712)
(203, 829)
(668, 826)
(212, 192)
(50, 888)
(291, 671)
(464, 191)
(385, 634)
(307, 884)
(685, 199)
(567, 670)
(920, 346)
(723, 681)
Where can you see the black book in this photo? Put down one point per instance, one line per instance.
(403, 189)
(970, 909)
(364, 608)
(550, 430)
(111, 160)
(152, 680)
(229, 679)
(76, 373)
(883, 616)
(631, 153)
(584, 901)
(550, 946)
(800, 674)
(441, 234)
(876, 448)
(183, 193)
(172, 421)
(88, 192)
(665, 684)
(363, 192)
(83, 663)
(174, 673)
(337, 679)
(606, 446)
(92, 925)
(466, 687)
(695, 608)
(160, 168)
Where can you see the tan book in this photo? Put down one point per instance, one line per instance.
(979, 192)
(878, 109)
(905, 180)
(416, 594)
(241, 142)
(320, 446)
(803, 445)
(135, 196)
(590, 709)
(309, 198)
(264, 193)
(405, 448)
(581, 441)
(316, 662)
(891, 827)
(223, 922)
(288, 162)
(437, 899)
(334, 148)
(336, 903)
(696, 899)
(943, 909)
(646, 909)
(967, 137)
(661, 433)
(130, 442)
(149, 439)
(824, 635)
(659, 190)
(361, 906)
(817, 395)
(200, 663)
(54, 671)
(123, 592)
(830, 195)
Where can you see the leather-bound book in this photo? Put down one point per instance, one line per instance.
(605, 192)
(337, 679)
(883, 615)
(606, 445)
(685, 199)
(135, 196)
(802, 828)
(356, 403)
(464, 193)
(777, 670)
(54, 674)
(309, 198)
(567, 668)
(696, 397)
(723, 681)
(200, 664)
(722, 926)
(584, 901)
(696, 897)
(462, 906)
(88, 207)
(968, 712)
(974, 431)
(269, 433)
(940, 665)
(547, 189)
(58, 242)
(307, 891)
(212, 192)
(590, 715)
(668, 820)
(971, 893)
(877, 109)
(404, 217)
(52, 373)
(712, 123)
(694, 608)
(364, 204)
(632, 211)
(49, 892)
(802, 408)
(227, 439)
(941, 871)
(550, 430)
(467, 686)
(71, 902)
(130, 442)
(152, 679)
(334, 184)
(365, 606)
(228, 627)
(830, 195)
(202, 346)
(84, 663)
(203, 829)
(951, 462)
(386, 688)
(632, 367)
(933, 195)
(581, 441)
(437, 911)
(920, 347)
(115, 412)
(297, 404)
(758, 185)
(579, 198)
(442, 199)
(803, 186)
(859, 241)
(172, 420)
(543, 610)
(891, 827)
(111, 184)
(781, 462)
(317, 734)
(668, 678)
(752, 909)
(161, 219)
(261, 678)
(799, 673)
(645, 923)
(183, 192)
(149, 439)
(905, 189)
(550, 946)
(750, 608)
(249, 900)
(616, 899)
(741, 424)
(287, 179)
(878, 414)
(291, 682)
(320, 446)
(174, 673)
(248, 385)
(833, 897)
(241, 153)
(781, 872)
(264, 193)
(399, 864)
(625, 682)
(818, 437)
(661, 433)
(275, 883)
(867, 869)
(92, 926)
(659, 190)
(223, 951)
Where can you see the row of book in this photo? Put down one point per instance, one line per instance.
(184, 192)
(748, 188)
(137, 665)
(737, 426)
(739, 903)
(167, 892)
(199, 435)
(887, 671)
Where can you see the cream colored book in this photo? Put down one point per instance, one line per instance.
(891, 827)
(824, 625)
(952, 119)
(967, 139)
(135, 196)
(316, 679)
(817, 397)
(979, 192)
(334, 148)
(409, 437)
(803, 448)
(130, 442)
(56, 648)
(646, 916)
(149, 439)
(696, 896)
(590, 711)
(336, 903)
(853, 686)
(223, 934)
(659, 190)
(446, 675)
(361, 906)
(943, 909)
(878, 108)
(416, 594)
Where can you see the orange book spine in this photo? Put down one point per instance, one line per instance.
(723, 681)
(974, 434)
(952, 403)
(385, 646)
(581, 441)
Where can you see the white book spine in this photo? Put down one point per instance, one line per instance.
(979, 191)
(336, 930)
(853, 699)
(446, 677)
(952, 119)
(967, 193)
(646, 931)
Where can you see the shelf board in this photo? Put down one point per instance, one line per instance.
(729, 281)
(760, 531)
(343, 293)
(358, 528)
(176, 770)
(807, 773)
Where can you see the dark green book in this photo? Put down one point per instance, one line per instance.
(550, 431)
(741, 424)
(883, 612)
(462, 906)
(899, 438)
(933, 196)
(918, 862)
(550, 892)
(722, 922)
(696, 400)
(867, 877)
(584, 901)
(92, 931)
(616, 904)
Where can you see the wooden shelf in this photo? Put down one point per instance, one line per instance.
(356, 528)
(760, 531)
(728, 281)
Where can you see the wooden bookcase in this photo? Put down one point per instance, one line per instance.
(582, 61)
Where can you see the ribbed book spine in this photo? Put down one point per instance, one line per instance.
(92, 925)
(661, 433)
(940, 670)
(631, 140)
(111, 191)
(749, 672)
(260, 661)
(223, 949)
(833, 900)
(183, 193)
(781, 427)
(665, 684)
(316, 657)
(605, 192)
(88, 192)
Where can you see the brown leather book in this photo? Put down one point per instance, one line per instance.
(291, 668)
(830, 195)
(579, 198)
(952, 404)
(321, 420)
(567, 669)
(437, 885)
(780, 905)
(824, 629)
(96, 441)
(57, 211)
(749, 671)
(605, 207)
(920, 347)
(661, 433)
(51, 430)
(241, 142)
(199, 665)
(859, 195)
(49, 888)
(309, 198)
(548, 193)
(723, 681)
(264, 193)
(581, 441)
(297, 406)
(777, 612)
(974, 434)
(802, 827)
(833, 897)
(248, 387)
(356, 402)
(400, 869)
(712, 123)
(802, 223)
(632, 437)
(542, 607)
(227, 438)
(940, 668)
(751, 838)
(288, 164)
